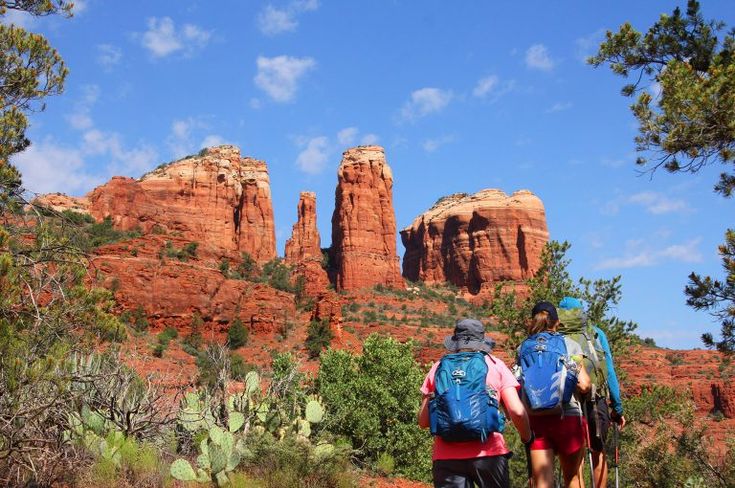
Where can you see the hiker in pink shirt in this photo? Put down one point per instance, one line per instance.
(476, 462)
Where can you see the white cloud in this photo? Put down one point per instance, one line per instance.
(108, 56)
(369, 139)
(273, 21)
(19, 18)
(123, 160)
(255, 103)
(559, 107)
(79, 6)
(537, 57)
(213, 140)
(279, 76)
(639, 255)
(587, 46)
(657, 203)
(431, 145)
(425, 101)
(347, 136)
(163, 39)
(655, 90)
(180, 141)
(80, 118)
(47, 167)
(313, 158)
(485, 86)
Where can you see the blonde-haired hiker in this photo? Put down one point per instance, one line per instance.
(552, 377)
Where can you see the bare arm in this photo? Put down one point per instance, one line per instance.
(424, 413)
(517, 412)
(584, 384)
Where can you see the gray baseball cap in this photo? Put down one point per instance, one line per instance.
(469, 334)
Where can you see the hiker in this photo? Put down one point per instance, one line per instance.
(605, 385)
(471, 451)
(553, 377)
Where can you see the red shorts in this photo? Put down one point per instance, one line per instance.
(563, 435)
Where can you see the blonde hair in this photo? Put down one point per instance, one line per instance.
(540, 323)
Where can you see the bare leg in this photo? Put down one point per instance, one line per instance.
(542, 468)
(599, 462)
(571, 468)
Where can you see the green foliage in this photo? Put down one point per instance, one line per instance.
(372, 399)
(237, 334)
(168, 334)
(717, 297)
(552, 282)
(690, 123)
(319, 336)
(30, 71)
(139, 320)
(189, 251)
(278, 275)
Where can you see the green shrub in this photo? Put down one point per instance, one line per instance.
(278, 275)
(224, 267)
(139, 320)
(237, 334)
(164, 338)
(239, 368)
(192, 342)
(319, 336)
(374, 407)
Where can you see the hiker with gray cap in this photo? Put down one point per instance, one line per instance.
(462, 397)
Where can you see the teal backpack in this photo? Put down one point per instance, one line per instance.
(462, 408)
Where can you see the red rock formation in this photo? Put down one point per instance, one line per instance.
(60, 202)
(304, 241)
(218, 199)
(303, 249)
(363, 250)
(328, 307)
(476, 241)
(170, 291)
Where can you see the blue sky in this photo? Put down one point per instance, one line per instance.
(463, 95)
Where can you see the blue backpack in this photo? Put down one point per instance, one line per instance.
(547, 381)
(462, 408)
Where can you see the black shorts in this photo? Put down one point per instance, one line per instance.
(482, 472)
(598, 422)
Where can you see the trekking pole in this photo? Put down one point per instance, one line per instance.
(528, 466)
(589, 444)
(617, 454)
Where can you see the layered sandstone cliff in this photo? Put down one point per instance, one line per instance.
(363, 252)
(218, 199)
(476, 241)
(303, 249)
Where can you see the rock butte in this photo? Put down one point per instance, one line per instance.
(303, 249)
(218, 199)
(476, 241)
(363, 252)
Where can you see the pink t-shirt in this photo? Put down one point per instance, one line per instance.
(498, 378)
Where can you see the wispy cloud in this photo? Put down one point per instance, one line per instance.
(163, 38)
(492, 88)
(316, 151)
(184, 134)
(425, 101)
(658, 203)
(638, 254)
(587, 46)
(538, 57)
(431, 145)
(278, 77)
(108, 56)
(273, 21)
(654, 203)
(313, 158)
(559, 107)
(80, 117)
(19, 18)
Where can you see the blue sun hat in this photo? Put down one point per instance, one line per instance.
(570, 303)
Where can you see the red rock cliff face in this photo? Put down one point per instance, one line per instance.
(304, 241)
(363, 224)
(218, 199)
(475, 241)
(303, 249)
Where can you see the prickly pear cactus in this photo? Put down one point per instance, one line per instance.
(182, 470)
(314, 412)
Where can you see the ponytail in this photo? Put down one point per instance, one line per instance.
(539, 323)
